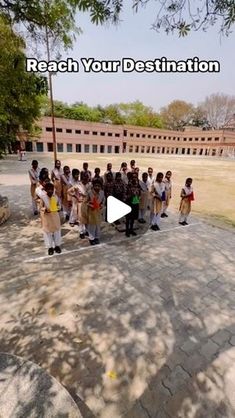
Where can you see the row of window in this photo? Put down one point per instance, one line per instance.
(79, 132)
(78, 148)
(168, 150)
(137, 135)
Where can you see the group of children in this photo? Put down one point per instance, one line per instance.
(81, 198)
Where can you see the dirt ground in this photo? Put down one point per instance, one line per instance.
(213, 178)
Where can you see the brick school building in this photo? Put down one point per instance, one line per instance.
(74, 136)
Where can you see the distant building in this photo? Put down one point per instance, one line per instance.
(104, 138)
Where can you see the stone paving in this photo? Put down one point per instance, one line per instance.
(141, 328)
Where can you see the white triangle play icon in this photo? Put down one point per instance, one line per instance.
(116, 209)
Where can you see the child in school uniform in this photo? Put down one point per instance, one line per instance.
(34, 180)
(168, 193)
(95, 201)
(56, 178)
(144, 198)
(73, 194)
(51, 226)
(158, 196)
(124, 171)
(85, 171)
(97, 176)
(133, 200)
(66, 180)
(187, 196)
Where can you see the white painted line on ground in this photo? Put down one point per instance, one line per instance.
(106, 244)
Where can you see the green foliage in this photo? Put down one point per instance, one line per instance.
(135, 113)
(20, 92)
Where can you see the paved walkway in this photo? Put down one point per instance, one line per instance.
(27, 391)
(138, 329)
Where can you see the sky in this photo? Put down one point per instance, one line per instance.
(134, 38)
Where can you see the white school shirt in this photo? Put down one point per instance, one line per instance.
(159, 188)
(143, 186)
(34, 175)
(57, 173)
(168, 184)
(187, 190)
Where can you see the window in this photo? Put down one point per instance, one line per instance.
(102, 148)
(202, 139)
(216, 139)
(102, 133)
(94, 148)
(168, 150)
(28, 146)
(60, 147)
(176, 150)
(59, 130)
(86, 133)
(142, 149)
(116, 149)
(137, 148)
(159, 137)
(163, 150)
(69, 148)
(48, 129)
(158, 150)
(196, 139)
(178, 139)
(209, 139)
(148, 150)
(153, 150)
(117, 135)
(201, 152)
(194, 151)
(109, 149)
(169, 137)
(213, 152)
(190, 139)
(50, 146)
(164, 137)
(78, 148)
(154, 136)
(131, 135)
(87, 148)
(172, 150)
(68, 131)
(183, 151)
(39, 146)
(94, 133)
(173, 138)
(149, 136)
(185, 139)
(188, 151)
(125, 132)
(137, 135)
(143, 135)
(77, 131)
(110, 134)
(131, 148)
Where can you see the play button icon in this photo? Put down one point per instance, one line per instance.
(116, 209)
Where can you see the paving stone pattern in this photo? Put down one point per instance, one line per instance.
(138, 329)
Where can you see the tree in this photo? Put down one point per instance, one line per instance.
(177, 114)
(183, 16)
(58, 16)
(171, 15)
(218, 109)
(20, 92)
(136, 113)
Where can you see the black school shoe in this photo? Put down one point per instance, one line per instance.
(182, 223)
(127, 234)
(92, 241)
(97, 241)
(82, 236)
(185, 223)
(50, 251)
(133, 233)
(57, 249)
